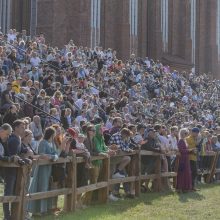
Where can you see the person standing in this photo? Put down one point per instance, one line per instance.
(13, 149)
(5, 132)
(42, 174)
(192, 144)
(184, 178)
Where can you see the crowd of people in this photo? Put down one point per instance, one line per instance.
(85, 101)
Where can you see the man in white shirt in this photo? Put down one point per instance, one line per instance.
(35, 60)
(172, 138)
(11, 36)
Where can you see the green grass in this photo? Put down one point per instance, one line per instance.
(199, 205)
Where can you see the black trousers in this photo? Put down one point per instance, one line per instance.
(9, 190)
(193, 167)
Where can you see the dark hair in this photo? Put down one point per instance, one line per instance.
(115, 120)
(89, 128)
(17, 123)
(84, 128)
(126, 132)
(49, 132)
(157, 127)
(131, 126)
(6, 127)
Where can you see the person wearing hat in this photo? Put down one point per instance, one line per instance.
(192, 146)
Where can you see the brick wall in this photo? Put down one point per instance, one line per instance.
(68, 19)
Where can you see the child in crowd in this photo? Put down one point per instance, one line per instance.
(82, 151)
(79, 148)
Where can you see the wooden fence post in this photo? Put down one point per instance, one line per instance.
(213, 167)
(26, 173)
(103, 193)
(137, 172)
(71, 199)
(157, 181)
(16, 208)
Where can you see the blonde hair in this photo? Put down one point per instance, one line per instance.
(182, 133)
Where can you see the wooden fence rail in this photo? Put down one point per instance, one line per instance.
(135, 178)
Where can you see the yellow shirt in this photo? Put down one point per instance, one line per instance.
(16, 87)
(191, 141)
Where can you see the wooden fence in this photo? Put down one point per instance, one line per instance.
(135, 178)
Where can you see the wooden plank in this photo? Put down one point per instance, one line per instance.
(121, 154)
(71, 199)
(48, 162)
(123, 180)
(26, 174)
(150, 153)
(213, 167)
(137, 173)
(7, 164)
(103, 192)
(48, 194)
(169, 174)
(38, 162)
(147, 177)
(16, 208)
(6, 199)
(157, 182)
(81, 159)
(91, 187)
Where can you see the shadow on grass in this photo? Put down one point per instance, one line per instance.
(111, 208)
(107, 211)
(185, 197)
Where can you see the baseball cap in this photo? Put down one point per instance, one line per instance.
(195, 129)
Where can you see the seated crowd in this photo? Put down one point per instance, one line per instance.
(84, 101)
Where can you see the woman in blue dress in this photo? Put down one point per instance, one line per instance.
(42, 174)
